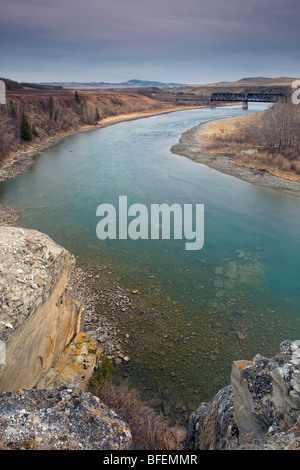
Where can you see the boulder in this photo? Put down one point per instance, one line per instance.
(265, 391)
(259, 410)
(211, 426)
(63, 418)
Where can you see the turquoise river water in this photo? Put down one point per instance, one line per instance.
(236, 297)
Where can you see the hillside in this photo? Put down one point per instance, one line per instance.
(201, 93)
(51, 111)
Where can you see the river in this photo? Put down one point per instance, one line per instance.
(202, 309)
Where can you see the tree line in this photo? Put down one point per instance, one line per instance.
(280, 126)
(37, 116)
(23, 120)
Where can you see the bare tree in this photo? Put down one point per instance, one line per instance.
(280, 126)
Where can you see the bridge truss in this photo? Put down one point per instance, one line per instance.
(248, 97)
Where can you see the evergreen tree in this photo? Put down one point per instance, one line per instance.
(51, 107)
(77, 96)
(13, 111)
(97, 115)
(25, 129)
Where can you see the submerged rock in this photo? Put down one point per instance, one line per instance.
(219, 270)
(218, 284)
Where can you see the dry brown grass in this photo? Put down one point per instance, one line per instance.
(230, 135)
(242, 139)
(150, 431)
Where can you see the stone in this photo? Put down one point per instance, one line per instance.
(240, 335)
(219, 270)
(219, 284)
(39, 281)
(232, 270)
(63, 418)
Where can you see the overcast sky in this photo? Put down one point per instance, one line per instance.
(187, 41)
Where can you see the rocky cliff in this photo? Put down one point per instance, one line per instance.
(38, 316)
(259, 410)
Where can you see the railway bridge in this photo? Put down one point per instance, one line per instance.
(248, 97)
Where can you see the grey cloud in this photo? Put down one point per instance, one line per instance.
(149, 30)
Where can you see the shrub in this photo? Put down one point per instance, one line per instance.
(34, 130)
(104, 374)
(51, 107)
(97, 115)
(149, 430)
(12, 108)
(76, 95)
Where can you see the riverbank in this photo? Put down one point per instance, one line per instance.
(192, 145)
(19, 162)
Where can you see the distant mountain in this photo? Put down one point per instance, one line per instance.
(265, 80)
(254, 81)
(13, 85)
(133, 83)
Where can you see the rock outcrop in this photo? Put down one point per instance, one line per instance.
(259, 410)
(60, 418)
(38, 316)
(45, 357)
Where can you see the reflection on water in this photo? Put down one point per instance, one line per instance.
(198, 310)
